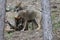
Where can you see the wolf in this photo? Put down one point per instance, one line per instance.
(30, 13)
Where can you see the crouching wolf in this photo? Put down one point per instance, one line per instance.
(30, 13)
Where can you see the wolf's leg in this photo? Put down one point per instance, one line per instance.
(26, 28)
(25, 23)
(38, 23)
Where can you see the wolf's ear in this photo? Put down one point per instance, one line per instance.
(18, 4)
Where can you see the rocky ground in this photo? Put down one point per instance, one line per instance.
(26, 35)
(33, 35)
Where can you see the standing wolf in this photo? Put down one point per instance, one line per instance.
(30, 13)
